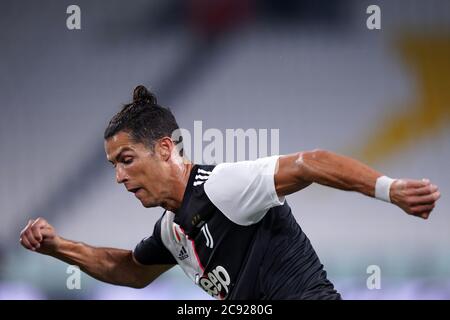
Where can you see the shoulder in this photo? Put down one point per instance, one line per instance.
(243, 170)
(245, 190)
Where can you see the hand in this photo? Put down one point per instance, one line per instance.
(415, 197)
(38, 235)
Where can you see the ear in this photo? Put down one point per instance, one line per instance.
(164, 148)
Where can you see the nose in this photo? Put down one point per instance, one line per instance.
(121, 175)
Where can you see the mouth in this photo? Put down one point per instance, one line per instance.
(134, 190)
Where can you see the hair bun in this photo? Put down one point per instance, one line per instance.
(142, 95)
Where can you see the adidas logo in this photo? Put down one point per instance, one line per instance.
(183, 253)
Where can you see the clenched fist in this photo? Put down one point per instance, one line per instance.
(40, 236)
(415, 197)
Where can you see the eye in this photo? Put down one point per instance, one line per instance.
(127, 160)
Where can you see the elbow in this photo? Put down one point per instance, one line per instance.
(316, 153)
(308, 163)
(139, 285)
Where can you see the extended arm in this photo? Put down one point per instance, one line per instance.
(110, 265)
(299, 170)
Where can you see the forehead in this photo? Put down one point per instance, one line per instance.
(118, 143)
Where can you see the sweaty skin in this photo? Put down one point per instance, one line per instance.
(158, 177)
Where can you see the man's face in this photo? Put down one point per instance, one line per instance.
(138, 168)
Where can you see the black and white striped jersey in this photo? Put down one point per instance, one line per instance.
(235, 238)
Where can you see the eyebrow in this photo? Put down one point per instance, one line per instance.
(120, 154)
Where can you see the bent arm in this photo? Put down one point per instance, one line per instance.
(299, 170)
(115, 266)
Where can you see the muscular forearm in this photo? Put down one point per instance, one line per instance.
(110, 265)
(104, 264)
(299, 170)
(337, 171)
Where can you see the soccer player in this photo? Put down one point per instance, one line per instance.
(227, 226)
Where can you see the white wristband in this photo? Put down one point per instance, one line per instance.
(383, 187)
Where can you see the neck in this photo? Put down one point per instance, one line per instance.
(178, 185)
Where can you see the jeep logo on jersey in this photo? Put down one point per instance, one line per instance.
(216, 282)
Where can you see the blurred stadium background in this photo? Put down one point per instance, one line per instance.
(309, 68)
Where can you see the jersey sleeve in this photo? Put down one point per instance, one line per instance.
(244, 191)
(151, 250)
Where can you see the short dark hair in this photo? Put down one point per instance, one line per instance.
(143, 119)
